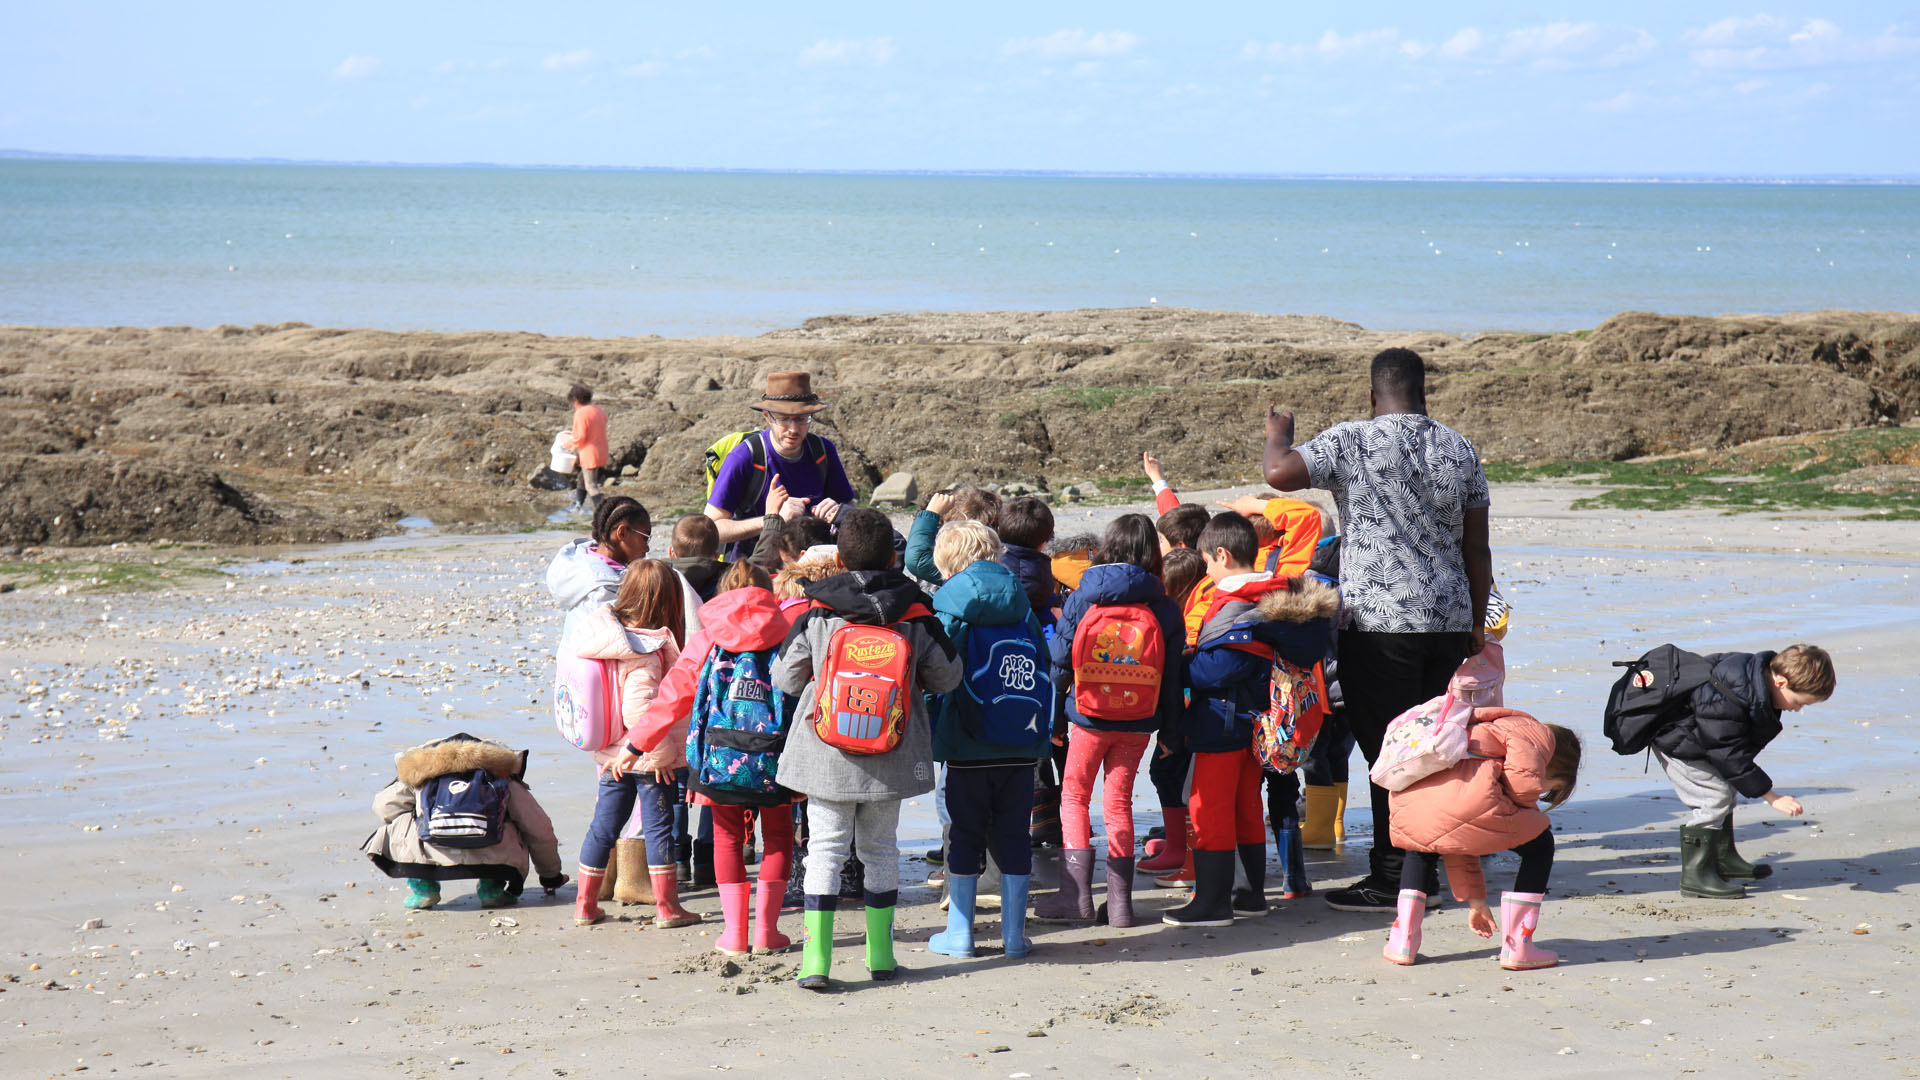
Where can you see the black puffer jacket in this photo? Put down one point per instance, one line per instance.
(1726, 731)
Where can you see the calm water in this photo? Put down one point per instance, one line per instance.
(608, 253)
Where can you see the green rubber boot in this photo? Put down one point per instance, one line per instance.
(816, 955)
(493, 893)
(421, 893)
(880, 962)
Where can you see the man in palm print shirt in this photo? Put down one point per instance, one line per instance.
(1415, 567)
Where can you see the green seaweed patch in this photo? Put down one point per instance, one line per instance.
(1098, 398)
(97, 575)
(1775, 475)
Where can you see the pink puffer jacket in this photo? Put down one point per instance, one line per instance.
(1485, 804)
(641, 659)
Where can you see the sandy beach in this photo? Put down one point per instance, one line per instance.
(188, 772)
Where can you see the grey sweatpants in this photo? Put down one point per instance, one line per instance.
(1710, 797)
(867, 827)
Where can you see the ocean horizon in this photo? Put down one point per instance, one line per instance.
(608, 251)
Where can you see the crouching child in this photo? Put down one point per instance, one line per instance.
(459, 808)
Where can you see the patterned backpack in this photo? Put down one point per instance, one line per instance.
(1284, 733)
(864, 688)
(1422, 741)
(1119, 658)
(737, 729)
(1005, 696)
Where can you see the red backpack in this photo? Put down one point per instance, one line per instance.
(865, 689)
(1119, 658)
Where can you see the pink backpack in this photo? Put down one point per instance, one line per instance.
(586, 702)
(1422, 741)
(1480, 678)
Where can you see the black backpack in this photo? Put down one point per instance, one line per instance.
(1655, 691)
(463, 810)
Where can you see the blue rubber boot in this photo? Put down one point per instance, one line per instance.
(1013, 915)
(957, 939)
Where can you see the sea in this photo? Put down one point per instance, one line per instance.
(625, 252)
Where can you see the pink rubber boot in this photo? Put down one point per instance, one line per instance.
(1403, 944)
(1519, 916)
(734, 898)
(1173, 850)
(767, 937)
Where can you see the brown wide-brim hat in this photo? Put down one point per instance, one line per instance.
(789, 392)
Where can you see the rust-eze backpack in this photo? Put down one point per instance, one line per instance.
(864, 691)
(1119, 658)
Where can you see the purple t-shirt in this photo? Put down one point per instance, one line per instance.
(804, 480)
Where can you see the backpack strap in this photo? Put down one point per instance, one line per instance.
(757, 455)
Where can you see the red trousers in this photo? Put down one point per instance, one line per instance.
(730, 838)
(1224, 807)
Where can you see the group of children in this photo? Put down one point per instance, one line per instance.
(815, 687)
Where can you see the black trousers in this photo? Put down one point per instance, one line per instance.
(1383, 676)
(989, 806)
(1536, 864)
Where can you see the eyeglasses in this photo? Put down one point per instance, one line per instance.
(789, 419)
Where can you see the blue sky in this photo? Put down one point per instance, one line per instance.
(1625, 88)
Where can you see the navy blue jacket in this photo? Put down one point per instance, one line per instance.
(1121, 583)
(1230, 669)
(1726, 731)
(1035, 572)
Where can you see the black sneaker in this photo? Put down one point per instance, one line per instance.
(1363, 896)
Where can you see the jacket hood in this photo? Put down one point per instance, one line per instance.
(600, 636)
(1119, 583)
(459, 753)
(1303, 600)
(984, 594)
(744, 620)
(577, 571)
(701, 573)
(874, 597)
(1744, 675)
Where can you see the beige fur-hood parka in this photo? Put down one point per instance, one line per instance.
(397, 849)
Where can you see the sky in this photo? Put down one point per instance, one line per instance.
(1625, 88)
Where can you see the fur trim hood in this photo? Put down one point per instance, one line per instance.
(458, 754)
(1303, 600)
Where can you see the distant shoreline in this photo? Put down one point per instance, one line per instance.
(1811, 179)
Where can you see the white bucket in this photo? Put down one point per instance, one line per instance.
(563, 458)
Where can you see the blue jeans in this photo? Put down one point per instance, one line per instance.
(614, 805)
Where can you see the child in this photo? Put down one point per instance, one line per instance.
(854, 798)
(1324, 775)
(588, 440)
(978, 732)
(743, 617)
(585, 574)
(694, 551)
(1253, 618)
(1709, 753)
(1167, 854)
(1132, 687)
(966, 503)
(400, 849)
(640, 634)
(1026, 527)
(1480, 806)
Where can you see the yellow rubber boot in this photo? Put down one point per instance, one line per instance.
(1317, 825)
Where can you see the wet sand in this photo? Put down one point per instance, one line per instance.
(193, 767)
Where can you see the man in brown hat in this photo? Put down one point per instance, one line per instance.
(787, 460)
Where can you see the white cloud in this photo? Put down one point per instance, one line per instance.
(1562, 46)
(867, 52)
(567, 61)
(1768, 42)
(1102, 44)
(1625, 101)
(1552, 47)
(644, 69)
(1465, 42)
(356, 67)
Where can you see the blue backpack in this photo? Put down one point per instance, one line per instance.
(1005, 696)
(736, 732)
(463, 810)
